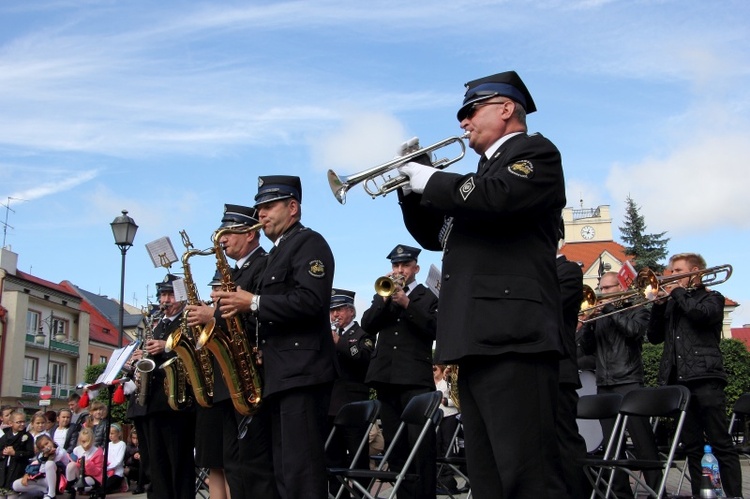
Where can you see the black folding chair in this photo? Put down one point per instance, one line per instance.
(421, 410)
(595, 408)
(740, 413)
(355, 415)
(453, 460)
(664, 401)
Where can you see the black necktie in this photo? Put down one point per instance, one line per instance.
(406, 289)
(165, 323)
(341, 331)
(482, 162)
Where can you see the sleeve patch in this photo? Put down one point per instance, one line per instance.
(522, 168)
(353, 350)
(317, 269)
(467, 188)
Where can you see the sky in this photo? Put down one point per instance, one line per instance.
(171, 109)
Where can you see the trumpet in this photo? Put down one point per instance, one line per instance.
(369, 178)
(387, 285)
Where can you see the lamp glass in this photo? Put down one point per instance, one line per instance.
(124, 229)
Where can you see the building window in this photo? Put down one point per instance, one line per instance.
(60, 327)
(90, 359)
(30, 368)
(102, 359)
(57, 373)
(33, 319)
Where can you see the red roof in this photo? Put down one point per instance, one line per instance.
(42, 282)
(97, 323)
(588, 253)
(742, 334)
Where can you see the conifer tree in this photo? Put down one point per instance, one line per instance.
(647, 249)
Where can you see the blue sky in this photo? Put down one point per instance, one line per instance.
(171, 109)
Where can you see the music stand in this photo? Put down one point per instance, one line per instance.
(109, 380)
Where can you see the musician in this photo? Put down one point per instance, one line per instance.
(500, 313)
(291, 303)
(245, 463)
(689, 324)
(354, 348)
(170, 434)
(616, 341)
(401, 366)
(572, 444)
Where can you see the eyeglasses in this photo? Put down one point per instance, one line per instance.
(475, 107)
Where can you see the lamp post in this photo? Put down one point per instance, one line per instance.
(124, 229)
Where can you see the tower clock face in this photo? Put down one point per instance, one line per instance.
(587, 232)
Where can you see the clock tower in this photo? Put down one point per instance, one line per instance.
(587, 225)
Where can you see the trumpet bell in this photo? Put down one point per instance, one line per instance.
(385, 286)
(339, 187)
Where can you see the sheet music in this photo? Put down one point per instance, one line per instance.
(433, 280)
(161, 252)
(180, 290)
(116, 363)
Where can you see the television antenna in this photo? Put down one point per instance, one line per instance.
(8, 209)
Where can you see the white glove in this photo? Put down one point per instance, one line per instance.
(418, 174)
(407, 147)
(129, 387)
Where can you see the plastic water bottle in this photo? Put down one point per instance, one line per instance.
(710, 469)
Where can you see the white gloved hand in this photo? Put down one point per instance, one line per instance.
(407, 147)
(418, 174)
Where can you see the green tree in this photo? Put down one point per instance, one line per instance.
(647, 249)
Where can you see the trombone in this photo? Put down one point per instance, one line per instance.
(645, 289)
(369, 178)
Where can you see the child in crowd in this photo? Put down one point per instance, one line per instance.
(115, 459)
(94, 460)
(36, 428)
(41, 474)
(132, 458)
(17, 447)
(98, 413)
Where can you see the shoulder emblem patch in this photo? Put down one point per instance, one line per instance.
(522, 168)
(467, 188)
(368, 343)
(353, 350)
(317, 269)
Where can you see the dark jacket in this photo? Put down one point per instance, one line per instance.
(617, 343)
(689, 324)
(353, 352)
(499, 291)
(403, 353)
(156, 400)
(71, 437)
(570, 277)
(293, 317)
(13, 467)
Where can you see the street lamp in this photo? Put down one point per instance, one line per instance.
(124, 229)
(40, 336)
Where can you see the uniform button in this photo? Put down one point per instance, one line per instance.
(296, 344)
(395, 333)
(507, 291)
(270, 323)
(447, 276)
(263, 341)
(273, 278)
(395, 348)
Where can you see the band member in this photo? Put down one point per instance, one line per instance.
(170, 434)
(401, 366)
(245, 463)
(354, 348)
(571, 443)
(689, 324)
(500, 313)
(617, 343)
(291, 303)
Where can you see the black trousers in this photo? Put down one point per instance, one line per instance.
(170, 438)
(508, 406)
(572, 444)
(254, 464)
(298, 423)
(393, 399)
(707, 414)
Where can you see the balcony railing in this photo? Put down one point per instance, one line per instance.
(69, 347)
(30, 388)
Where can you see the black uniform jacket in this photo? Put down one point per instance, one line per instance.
(156, 400)
(245, 277)
(499, 288)
(353, 351)
(689, 324)
(403, 354)
(295, 327)
(570, 276)
(13, 467)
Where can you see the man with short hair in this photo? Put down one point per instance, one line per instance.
(688, 319)
(401, 367)
(291, 302)
(500, 313)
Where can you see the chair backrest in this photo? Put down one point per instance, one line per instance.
(421, 407)
(356, 414)
(599, 406)
(658, 401)
(742, 405)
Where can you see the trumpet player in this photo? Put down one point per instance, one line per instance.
(689, 324)
(245, 464)
(500, 313)
(401, 366)
(616, 341)
(170, 434)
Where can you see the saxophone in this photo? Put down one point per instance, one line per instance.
(452, 382)
(196, 364)
(175, 384)
(231, 348)
(145, 365)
